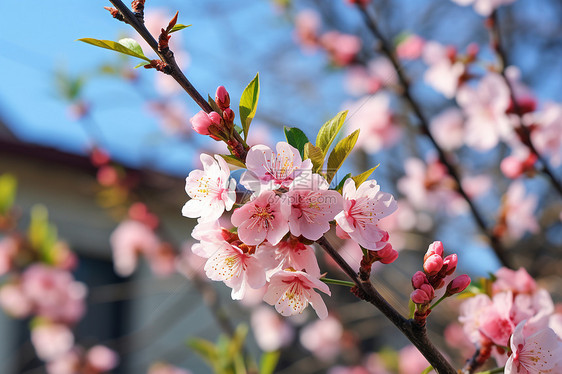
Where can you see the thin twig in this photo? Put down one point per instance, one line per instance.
(522, 131)
(404, 81)
(416, 333)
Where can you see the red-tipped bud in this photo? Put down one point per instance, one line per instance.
(459, 284)
(430, 291)
(420, 297)
(388, 254)
(450, 263)
(228, 115)
(435, 248)
(222, 98)
(433, 264)
(201, 122)
(215, 118)
(419, 279)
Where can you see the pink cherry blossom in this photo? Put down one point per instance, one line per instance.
(342, 48)
(411, 47)
(236, 268)
(307, 25)
(496, 323)
(267, 170)
(362, 209)
(376, 120)
(366, 80)
(311, 206)
(484, 7)
(535, 354)
(323, 338)
(291, 292)
(448, 129)
(292, 253)
(471, 313)
(271, 331)
(51, 340)
(261, 219)
(130, 239)
(546, 137)
(518, 281)
(485, 108)
(443, 73)
(14, 301)
(102, 358)
(519, 211)
(67, 363)
(211, 190)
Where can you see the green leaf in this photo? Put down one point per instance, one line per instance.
(329, 131)
(296, 138)
(205, 349)
(339, 187)
(233, 161)
(118, 47)
(132, 44)
(358, 179)
(8, 187)
(340, 153)
(42, 235)
(142, 64)
(178, 27)
(249, 103)
(315, 155)
(214, 105)
(268, 362)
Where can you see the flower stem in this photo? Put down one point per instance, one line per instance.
(438, 301)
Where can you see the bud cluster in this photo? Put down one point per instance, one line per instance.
(425, 283)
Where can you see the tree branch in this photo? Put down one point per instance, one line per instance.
(387, 50)
(522, 131)
(416, 333)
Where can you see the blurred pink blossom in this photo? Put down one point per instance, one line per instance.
(172, 116)
(374, 116)
(448, 129)
(546, 136)
(271, 331)
(102, 358)
(444, 73)
(14, 301)
(366, 80)
(517, 281)
(484, 7)
(519, 211)
(129, 240)
(8, 251)
(411, 47)
(307, 25)
(51, 340)
(67, 363)
(342, 48)
(323, 338)
(411, 361)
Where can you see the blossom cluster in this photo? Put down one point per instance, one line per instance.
(516, 323)
(289, 207)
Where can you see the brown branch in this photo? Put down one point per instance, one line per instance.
(523, 132)
(167, 57)
(387, 50)
(416, 333)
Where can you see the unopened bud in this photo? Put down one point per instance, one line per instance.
(430, 291)
(459, 284)
(222, 98)
(433, 264)
(228, 115)
(387, 254)
(450, 263)
(419, 279)
(419, 297)
(435, 248)
(201, 122)
(215, 118)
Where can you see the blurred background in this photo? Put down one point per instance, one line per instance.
(97, 143)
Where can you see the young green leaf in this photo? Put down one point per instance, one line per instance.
(8, 186)
(233, 161)
(268, 362)
(132, 44)
(249, 103)
(144, 63)
(178, 27)
(118, 47)
(329, 131)
(358, 179)
(340, 153)
(315, 155)
(205, 349)
(296, 138)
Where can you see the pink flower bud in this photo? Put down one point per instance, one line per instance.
(450, 263)
(222, 98)
(428, 290)
(201, 122)
(388, 254)
(419, 297)
(228, 115)
(435, 248)
(433, 264)
(459, 284)
(419, 279)
(511, 167)
(215, 118)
